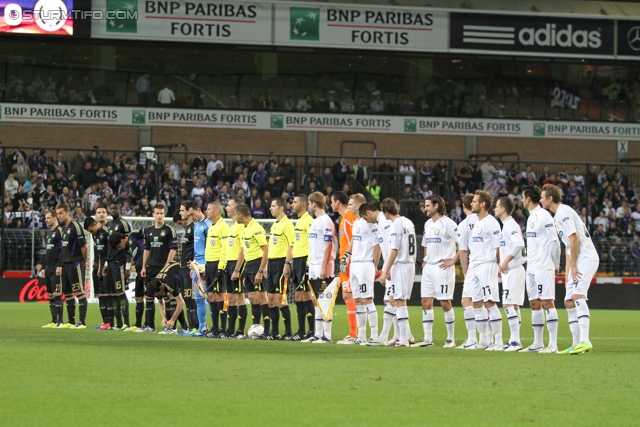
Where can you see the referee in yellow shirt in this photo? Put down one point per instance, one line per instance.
(280, 254)
(254, 256)
(237, 307)
(215, 255)
(297, 272)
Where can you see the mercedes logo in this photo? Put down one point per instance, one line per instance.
(633, 38)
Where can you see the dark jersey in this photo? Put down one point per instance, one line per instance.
(135, 247)
(159, 241)
(187, 246)
(171, 278)
(54, 246)
(72, 242)
(121, 226)
(100, 245)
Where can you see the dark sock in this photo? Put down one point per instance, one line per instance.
(52, 309)
(274, 315)
(192, 313)
(139, 313)
(215, 316)
(300, 311)
(111, 310)
(286, 318)
(103, 309)
(150, 313)
(223, 316)
(310, 315)
(266, 318)
(82, 304)
(183, 321)
(124, 307)
(243, 313)
(255, 314)
(71, 308)
(233, 315)
(116, 303)
(59, 308)
(169, 308)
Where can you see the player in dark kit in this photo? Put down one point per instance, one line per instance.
(134, 246)
(186, 215)
(160, 245)
(73, 258)
(116, 271)
(51, 262)
(100, 246)
(166, 287)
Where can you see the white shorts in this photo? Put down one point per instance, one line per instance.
(388, 290)
(481, 283)
(513, 286)
(581, 287)
(314, 271)
(402, 277)
(361, 276)
(437, 282)
(541, 284)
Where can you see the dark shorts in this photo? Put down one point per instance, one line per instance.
(320, 285)
(115, 281)
(249, 276)
(275, 280)
(72, 278)
(210, 274)
(187, 283)
(152, 272)
(98, 281)
(298, 278)
(140, 288)
(233, 286)
(52, 282)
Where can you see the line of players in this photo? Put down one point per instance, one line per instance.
(239, 259)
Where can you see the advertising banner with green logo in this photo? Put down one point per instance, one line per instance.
(190, 21)
(365, 27)
(227, 119)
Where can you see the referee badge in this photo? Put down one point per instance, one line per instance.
(212, 242)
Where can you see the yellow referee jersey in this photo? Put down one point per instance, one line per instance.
(281, 238)
(233, 241)
(253, 238)
(216, 249)
(301, 236)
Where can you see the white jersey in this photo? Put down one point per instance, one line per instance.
(321, 232)
(484, 240)
(510, 241)
(543, 247)
(365, 237)
(567, 223)
(403, 239)
(384, 231)
(440, 240)
(464, 231)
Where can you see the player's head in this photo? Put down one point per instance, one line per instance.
(91, 225)
(339, 199)
(155, 289)
(214, 211)
(62, 211)
(549, 196)
(354, 203)
(231, 207)
(114, 210)
(51, 218)
(159, 211)
(482, 202)
(531, 195)
(185, 211)
(101, 213)
(118, 240)
(504, 207)
(317, 200)
(277, 207)
(243, 214)
(299, 204)
(369, 212)
(434, 205)
(466, 202)
(389, 208)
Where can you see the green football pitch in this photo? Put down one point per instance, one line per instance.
(62, 377)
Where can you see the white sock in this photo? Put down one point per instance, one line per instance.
(495, 319)
(361, 321)
(482, 323)
(402, 313)
(552, 327)
(583, 319)
(394, 321)
(470, 321)
(319, 323)
(573, 325)
(327, 328)
(450, 322)
(427, 324)
(537, 321)
(519, 317)
(387, 321)
(514, 324)
(372, 315)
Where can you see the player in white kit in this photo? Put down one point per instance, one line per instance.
(543, 260)
(400, 266)
(464, 232)
(322, 255)
(582, 265)
(438, 269)
(374, 216)
(364, 254)
(512, 258)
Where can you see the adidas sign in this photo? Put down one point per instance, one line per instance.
(550, 35)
